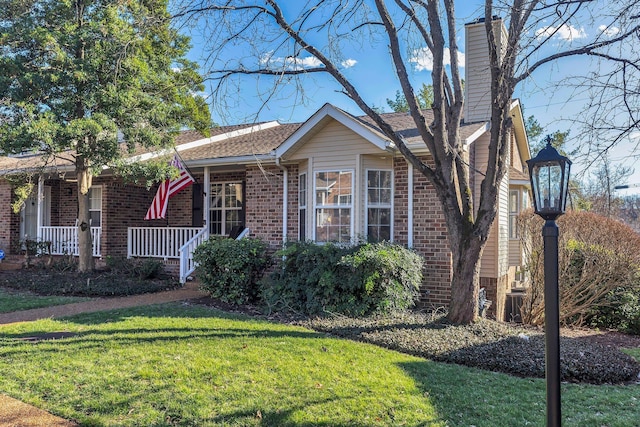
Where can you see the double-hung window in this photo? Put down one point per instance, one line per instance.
(379, 205)
(514, 211)
(333, 206)
(95, 206)
(227, 207)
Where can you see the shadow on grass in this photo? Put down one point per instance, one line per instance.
(86, 339)
(466, 397)
(489, 346)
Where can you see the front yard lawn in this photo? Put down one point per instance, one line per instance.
(193, 366)
(11, 300)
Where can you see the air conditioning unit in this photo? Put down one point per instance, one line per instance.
(513, 306)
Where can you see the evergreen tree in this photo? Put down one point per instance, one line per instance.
(76, 74)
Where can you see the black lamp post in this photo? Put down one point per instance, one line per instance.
(549, 174)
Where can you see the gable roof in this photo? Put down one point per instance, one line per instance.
(320, 118)
(402, 123)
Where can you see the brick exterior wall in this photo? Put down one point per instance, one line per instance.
(6, 216)
(264, 191)
(429, 234)
(123, 206)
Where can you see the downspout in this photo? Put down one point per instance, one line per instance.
(410, 205)
(285, 191)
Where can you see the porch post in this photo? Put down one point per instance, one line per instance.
(207, 198)
(358, 179)
(39, 208)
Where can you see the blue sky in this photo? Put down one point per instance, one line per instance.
(369, 66)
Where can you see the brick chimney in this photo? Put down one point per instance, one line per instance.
(477, 85)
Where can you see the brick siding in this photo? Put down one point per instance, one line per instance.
(264, 203)
(429, 233)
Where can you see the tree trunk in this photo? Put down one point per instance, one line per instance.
(465, 283)
(85, 255)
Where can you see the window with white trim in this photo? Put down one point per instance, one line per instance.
(227, 207)
(95, 206)
(514, 211)
(333, 206)
(302, 207)
(379, 205)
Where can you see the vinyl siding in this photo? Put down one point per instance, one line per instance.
(334, 147)
(503, 227)
(477, 106)
(489, 260)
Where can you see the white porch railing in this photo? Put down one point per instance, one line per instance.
(158, 242)
(64, 240)
(169, 243)
(187, 264)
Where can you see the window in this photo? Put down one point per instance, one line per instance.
(227, 207)
(514, 211)
(379, 205)
(333, 206)
(95, 206)
(302, 207)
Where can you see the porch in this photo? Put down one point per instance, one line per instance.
(164, 243)
(170, 243)
(64, 240)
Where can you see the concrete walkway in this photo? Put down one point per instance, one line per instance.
(189, 291)
(14, 413)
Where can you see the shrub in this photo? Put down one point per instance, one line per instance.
(145, 268)
(621, 312)
(598, 259)
(357, 280)
(230, 269)
(388, 276)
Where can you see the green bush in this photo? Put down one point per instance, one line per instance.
(358, 280)
(230, 269)
(621, 312)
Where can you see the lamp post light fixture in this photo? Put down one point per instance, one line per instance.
(549, 175)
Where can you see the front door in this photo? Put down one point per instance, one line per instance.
(29, 215)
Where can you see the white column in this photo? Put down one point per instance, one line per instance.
(39, 207)
(207, 197)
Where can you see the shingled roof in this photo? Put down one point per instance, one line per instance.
(236, 142)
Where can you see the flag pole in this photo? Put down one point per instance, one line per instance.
(184, 165)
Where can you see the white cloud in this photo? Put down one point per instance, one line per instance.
(565, 32)
(268, 60)
(609, 31)
(348, 63)
(424, 60)
(635, 135)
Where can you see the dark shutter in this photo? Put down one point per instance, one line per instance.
(197, 202)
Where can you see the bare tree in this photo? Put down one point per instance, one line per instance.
(289, 42)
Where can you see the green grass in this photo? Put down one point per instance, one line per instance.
(634, 352)
(15, 301)
(190, 366)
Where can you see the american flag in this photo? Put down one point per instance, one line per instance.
(167, 189)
